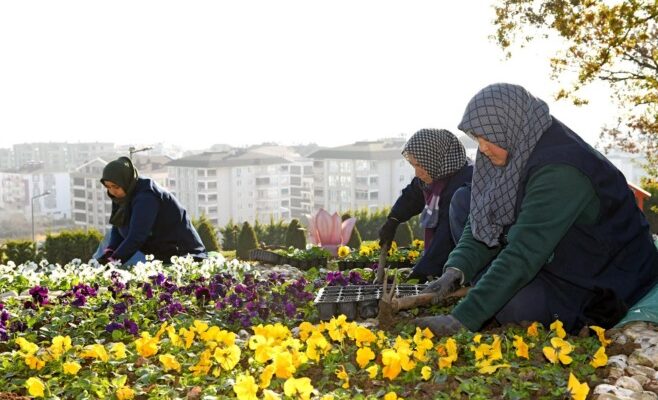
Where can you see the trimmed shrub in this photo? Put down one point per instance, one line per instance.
(230, 234)
(207, 232)
(295, 235)
(403, 236)
(65, 246)
(355, 237)
(247, 241)
(19, 251)
(274, 233)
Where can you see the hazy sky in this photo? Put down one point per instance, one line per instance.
(243, 72)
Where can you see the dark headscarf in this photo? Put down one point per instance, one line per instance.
(438, 151)
(121, 172)
(512, 118)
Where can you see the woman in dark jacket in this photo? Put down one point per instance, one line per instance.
(554, 231)
(145, 218)
(439, 193)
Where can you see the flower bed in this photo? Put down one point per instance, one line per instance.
(218, 329)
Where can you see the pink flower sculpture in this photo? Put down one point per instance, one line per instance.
(328, 231)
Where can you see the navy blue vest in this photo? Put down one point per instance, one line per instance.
(172, 233)
(616, 252)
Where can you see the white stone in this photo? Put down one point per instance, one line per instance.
(615, 373)
(640, 358)
(644, 395)
(619, 360)
(641, 379)
(629, 383)
(608, 396)
(640, 370)
(9, 294)
(617, 391)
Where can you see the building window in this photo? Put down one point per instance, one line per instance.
(374, 180)
(212, 185)
(201, 197)
(212, 172)
(285, 191)
(212, 197)
(374, 195)
(201, 185)
(200, 172)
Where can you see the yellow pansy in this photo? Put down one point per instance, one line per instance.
(34, 362)
(125, 393)
(451, 354)
(559, 352)
(343, 251)
(363, 356)
(600, 358)
(71, 368)
(417, 243)
(245, 387)
(342, 375)
(35, 387)
(426, 372)
(168, 362)
(147, 346)
(283, 365)
(266, 376)
(577, 390)
(173, 337)
(600, 332)
(521, 347)
(96, 351)
(392, 396)
(533, 330)
(227, 357)
(363, 335)
(301, 387)
(27, 347)
(365, 251)
(188, 335)
(271, 395)
(60, 344)
(372, 371)
(118, 350)
(392, 364)
(305, 330)
(486, 368)
(558, 329)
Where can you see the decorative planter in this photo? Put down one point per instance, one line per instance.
(265, 256)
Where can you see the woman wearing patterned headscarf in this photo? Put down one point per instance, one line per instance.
(554, 231)
(442, 170)
(145, 218)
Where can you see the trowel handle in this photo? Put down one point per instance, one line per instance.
(381, 266)
(422, 299)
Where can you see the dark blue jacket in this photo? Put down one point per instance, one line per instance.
(614, 258)
(412, 201)
(159, 225)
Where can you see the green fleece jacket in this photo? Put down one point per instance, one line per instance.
(556, 197)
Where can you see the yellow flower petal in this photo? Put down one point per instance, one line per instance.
(426, 372)
(577, 390)
(600, 358)
(35, 387)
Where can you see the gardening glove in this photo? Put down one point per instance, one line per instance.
(440, 325)
(106, 257)
(387, 231)
(447, 283)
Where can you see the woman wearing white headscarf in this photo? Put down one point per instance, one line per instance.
(554, 231)
(438, 193)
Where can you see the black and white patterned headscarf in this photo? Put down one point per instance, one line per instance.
(436, 150)
(512, 118)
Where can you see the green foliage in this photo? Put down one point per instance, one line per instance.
(403, 235)
(274, 233)
(65, 246)
(230, 233)
(418, 231)
(247, 240)
(208, 233)
(651, 204)
(355, 237)
(368, 223)
(609, 41)
(295, 235)
(19, 251)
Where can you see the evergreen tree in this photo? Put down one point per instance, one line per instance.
(229, 233)
(246, 241)
(355, 238)
(207, 232)
(295, 235)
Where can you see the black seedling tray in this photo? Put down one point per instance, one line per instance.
(356, 301)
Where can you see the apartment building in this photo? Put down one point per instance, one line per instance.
(61, 156)
(260, 182)
(91, 207)
(366, 174)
